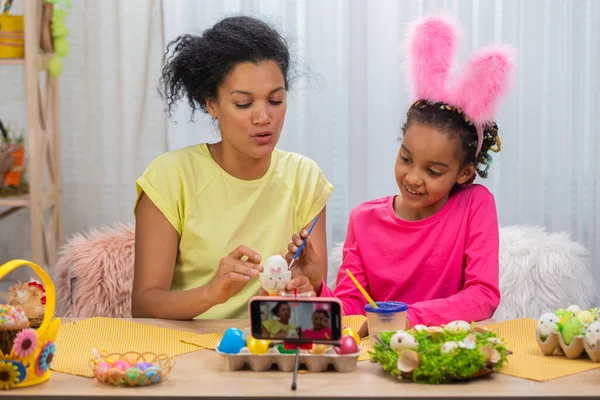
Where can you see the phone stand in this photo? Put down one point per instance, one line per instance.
(294, 344)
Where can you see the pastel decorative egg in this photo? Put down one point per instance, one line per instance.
(144, 365)
(351, 332)
(449, 347)
(347, 345)
(546, 325)
(134, 376)
(232, 341)
(458, 326)
(574, 308)
(592, 334)
(402, 340)
(103, 366)
(257, 346)
(152, 374)
(121, 364)
(495, 341)
(585, 317)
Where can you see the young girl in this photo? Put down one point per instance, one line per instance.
(320, 330)
(206, 215)
(434, 245)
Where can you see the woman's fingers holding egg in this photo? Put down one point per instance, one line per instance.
(244, 268)
(237, 277)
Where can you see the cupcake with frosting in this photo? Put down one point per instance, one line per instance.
(12, 321)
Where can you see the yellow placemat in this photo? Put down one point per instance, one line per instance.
(76, 340)
(527, 360)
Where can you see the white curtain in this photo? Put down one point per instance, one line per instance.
(111, 116)
(347, 110)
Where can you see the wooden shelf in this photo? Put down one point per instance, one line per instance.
(15, 201)
(44, 200)
(12, 61)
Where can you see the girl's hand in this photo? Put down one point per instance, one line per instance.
(307, 263)
(233, 273)
(301, 283)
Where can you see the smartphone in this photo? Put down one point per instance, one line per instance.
(296, 320)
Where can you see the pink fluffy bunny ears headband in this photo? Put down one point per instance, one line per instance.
(432, 43)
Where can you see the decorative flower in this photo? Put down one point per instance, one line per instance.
(25, 343)
(9, 375)
(42, 364)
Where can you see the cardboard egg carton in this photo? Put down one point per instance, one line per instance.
(285, 362)
(554, 342)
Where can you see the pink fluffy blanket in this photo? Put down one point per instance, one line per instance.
(94, 273)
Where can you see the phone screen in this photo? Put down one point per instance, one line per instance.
(305, 321)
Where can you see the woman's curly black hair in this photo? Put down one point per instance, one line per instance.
(275, 310)
(198, 64)
(453, 121)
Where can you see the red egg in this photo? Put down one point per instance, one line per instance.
(347, 345)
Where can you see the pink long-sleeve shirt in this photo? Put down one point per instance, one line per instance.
(445, 267)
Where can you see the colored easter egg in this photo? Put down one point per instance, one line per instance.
(257, 346)
(347, 345)
(55, 66)
(121, 364)
(232, 341)
(103, 366)
(319, 348)
(283, 350)
(351, 332)
(61, 46)
(134, 376)
(152, 374)
(144, 365)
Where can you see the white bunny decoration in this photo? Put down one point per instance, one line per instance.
(275, 275)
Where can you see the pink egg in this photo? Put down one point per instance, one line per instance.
(121, 364)
(102, 367)
(347, 345)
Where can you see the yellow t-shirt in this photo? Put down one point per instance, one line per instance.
(214, 212)
(273, 326)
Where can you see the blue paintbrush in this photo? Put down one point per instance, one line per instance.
(303, 243)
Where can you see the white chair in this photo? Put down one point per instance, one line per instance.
(539, 272)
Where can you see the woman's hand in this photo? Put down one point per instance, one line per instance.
(233, 273)
(308, 263)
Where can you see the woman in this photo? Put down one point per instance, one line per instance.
(206, 215)
(280, 328)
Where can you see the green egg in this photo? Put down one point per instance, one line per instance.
(55, 66)
(61, 46)
(573, 327)
(135, 376)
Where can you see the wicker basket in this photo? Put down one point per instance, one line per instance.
(22, 369)
(136, 375)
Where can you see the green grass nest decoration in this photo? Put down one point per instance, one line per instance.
(438, 355)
